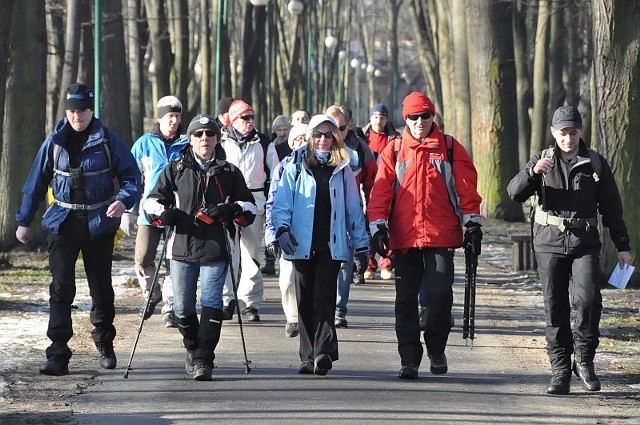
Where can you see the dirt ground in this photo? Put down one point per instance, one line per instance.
(25, 394)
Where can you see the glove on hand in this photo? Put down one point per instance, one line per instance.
(224, 212)
(380, 241)
(174, 216)
(287, 241)
(128, 223)
(274, 249)
(473, 237)
(361, 262)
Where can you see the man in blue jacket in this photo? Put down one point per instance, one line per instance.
(81, 160)
(152, 152)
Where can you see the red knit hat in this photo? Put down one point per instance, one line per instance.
(416, 103)
(239, 108)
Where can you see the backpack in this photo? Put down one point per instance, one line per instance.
(104, 146)
(448, 140)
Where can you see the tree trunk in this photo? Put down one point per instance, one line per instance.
(446, 64)
(392, 53)
(135, 53)
(617, 76)
(71, 51)
(461, 103)
(539, 129)
(115, 85)
(160, 49)
(523, 81)
(54, 11)
(558, 47)
(24, 93)
(492, 80)
(180, 73)
(205, 57)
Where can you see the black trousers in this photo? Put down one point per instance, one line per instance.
(316, 285)
(571, 283)
(436, 266)
(64, 249)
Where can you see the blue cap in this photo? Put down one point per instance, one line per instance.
(380, 108)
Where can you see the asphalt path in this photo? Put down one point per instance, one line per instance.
(502, 380)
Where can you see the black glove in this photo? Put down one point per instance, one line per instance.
(274, 249)
(224, 212)
(174, 217)
(286, 240)
(473, 237)
(380, 241)
(360, 262)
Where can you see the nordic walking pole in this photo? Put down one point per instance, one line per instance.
(154, 282)
(468, 324)
(227, 235)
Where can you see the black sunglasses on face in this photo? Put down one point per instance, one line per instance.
(319, 134)
(209, 133)
(342, 127)
(424, 116)
(247, 117)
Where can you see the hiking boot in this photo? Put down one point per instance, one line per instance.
(227, 310)
(149, 312)
(369, 274)
(408, 372)
(386, 275)
(269, 268)
(424, 315)
(291, 329)
(560, 382)
(188, 363)
(169, 320)
(55, 368)
(358, 279)
(438, 364)
(250, 314)
(108, 361)
(202, 371)
(341, 321)
(323, 364)
(587, 374)
(306, 368)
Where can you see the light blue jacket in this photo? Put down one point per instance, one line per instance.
(151, 155)
(294, 206)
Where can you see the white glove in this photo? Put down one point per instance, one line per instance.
(128, 222)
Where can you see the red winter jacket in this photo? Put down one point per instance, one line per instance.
(422, 212)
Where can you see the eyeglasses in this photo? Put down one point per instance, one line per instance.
(342, 127)
(247, 117)
(424, 116)
(199, 133)
(319, 134)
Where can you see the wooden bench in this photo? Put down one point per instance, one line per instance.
(522, 257)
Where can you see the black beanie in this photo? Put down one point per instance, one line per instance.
(78, 96)
(168, 104)
(201, 121)
(223, 104)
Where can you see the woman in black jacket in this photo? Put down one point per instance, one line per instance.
(196, 194)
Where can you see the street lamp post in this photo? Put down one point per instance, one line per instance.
(355, 64)
(342, 55)
(330, 43)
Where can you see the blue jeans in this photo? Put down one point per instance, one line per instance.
(345, 277)
(185, 275)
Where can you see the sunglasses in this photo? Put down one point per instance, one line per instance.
(424, 116)
(319, 134)
(199, 133)
(342, 127)
(247, 117)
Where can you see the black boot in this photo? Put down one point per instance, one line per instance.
(587, 374)
(188, 327)
(55, 367)
(103, 336)
(560, 382)
(208, 337)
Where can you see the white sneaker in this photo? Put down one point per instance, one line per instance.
(386, 275)
(369, 275)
